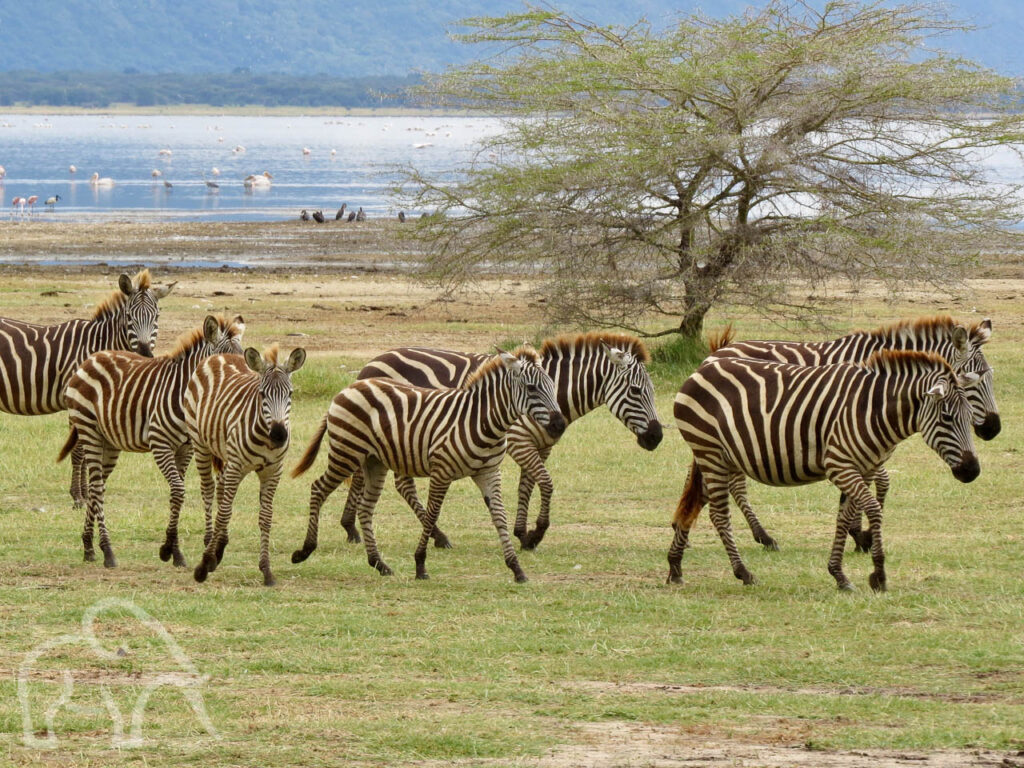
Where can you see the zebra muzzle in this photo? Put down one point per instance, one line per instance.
(650, 438)
(556, 424)
(278, 434)
(989, 428)
(968, 468)
(144, 349)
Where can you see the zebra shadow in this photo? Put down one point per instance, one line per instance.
(184, 676)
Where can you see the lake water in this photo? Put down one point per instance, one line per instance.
(37, 150)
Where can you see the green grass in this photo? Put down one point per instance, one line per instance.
(337, 664)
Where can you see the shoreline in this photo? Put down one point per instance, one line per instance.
(246, 110)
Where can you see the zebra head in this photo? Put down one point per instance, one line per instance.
(969, 358)
(629, 393)
(533, 392)
(945, 423)
(141, 313)
(224, 337)
(275, 391)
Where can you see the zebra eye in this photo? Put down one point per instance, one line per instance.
(531, 387)
(635, 391)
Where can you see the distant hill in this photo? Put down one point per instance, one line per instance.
(341, 39)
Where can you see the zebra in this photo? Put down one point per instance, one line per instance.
(587, 370)
(784, 424)
(237, 412)
(36, 361)
(444, 434)
(960, 345)
(120, 401)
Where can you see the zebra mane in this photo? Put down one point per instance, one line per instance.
(116, 300)
(189, 339)
(525, 353)
(898, 359)
(922, 327)
(271, 354)
(593, 339)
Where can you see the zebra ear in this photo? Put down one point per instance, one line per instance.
(937, 392)
(211, 329)
(968, 379)
(960, 339)
(254, 360)
(161, 291)
(239, 324)
(295, 360)
(510, 362)
(617, 356)
(124, 282)
(983, 332)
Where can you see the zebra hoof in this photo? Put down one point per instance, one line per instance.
(300, 555)
(179, 560)
(521, 577)
(166, 550)
(846, 586)
(199, 574)
(269, 580)
(89, 556)
(745, 576)
(423, 576)
(674, 578)
(877, 582)
(384, 569)
(109, 561)
(769, 544)
(441, 541)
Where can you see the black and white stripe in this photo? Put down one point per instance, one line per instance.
(238, 416)
(378, 424)
(959, 344)
(587, 370)
(120, 401)
(788, 425)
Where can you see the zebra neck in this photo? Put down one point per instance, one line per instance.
(105, 332)
(906, 337)
(579, 380)
(491, 404)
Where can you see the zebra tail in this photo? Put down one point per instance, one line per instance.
(311, 450)
(691, 501)
(68, 446)
(721, 339)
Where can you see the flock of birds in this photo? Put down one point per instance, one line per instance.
(341, 215)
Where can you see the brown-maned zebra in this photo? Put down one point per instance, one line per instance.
(36, 361)
(959, 344)
(787, 425)
(588, 370)
(237, 411)
(120, 401)
(377, 425)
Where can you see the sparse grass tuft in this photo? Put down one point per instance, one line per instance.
(675, 359)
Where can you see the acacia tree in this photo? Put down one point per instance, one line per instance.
(719, 160)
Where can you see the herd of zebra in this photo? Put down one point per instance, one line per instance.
(782, 413)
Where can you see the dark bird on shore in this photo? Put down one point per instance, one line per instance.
(360, 215)
(341, 212)
(304, 215)
(351, 215)
(168, 185)
(213, 186)
(52, 201)
(318, 217)
(401, 217)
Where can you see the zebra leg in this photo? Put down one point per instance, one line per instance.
(406, 486)
(718, 511)
(526, 484)
(848, 515)
(681, 531)
(489, 484)
(269, 478)
(204, 466)
(79, 481)
(172, 464)
(230, 477)
(323, 487)
(348, 517)
(861, 500)
(110, 461)
(92, 469)
(374, 475)
(435, 498)
(738, 491)
(533, 467)
(862, 539)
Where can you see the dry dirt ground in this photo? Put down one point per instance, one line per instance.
(343, 289)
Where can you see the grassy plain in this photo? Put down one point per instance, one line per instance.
(593, 662)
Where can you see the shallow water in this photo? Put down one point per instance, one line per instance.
(38, 150)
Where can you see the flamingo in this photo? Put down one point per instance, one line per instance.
(239, 149)
(31, 202)
(215, 171)
(18, 202)
(72, 168)
(156, 173)
(334, 152)
(307, 151)
(165, 152)
(3, 172)
(51, 201)
(96, 181)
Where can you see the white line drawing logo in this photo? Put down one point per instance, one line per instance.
(187, 679)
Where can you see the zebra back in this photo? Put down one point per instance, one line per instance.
(36, 361)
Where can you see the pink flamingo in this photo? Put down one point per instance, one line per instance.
(18, 202)
(32, 199)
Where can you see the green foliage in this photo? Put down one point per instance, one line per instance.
(675, 359)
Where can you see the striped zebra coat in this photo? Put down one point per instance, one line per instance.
(120, 401)
(238, 416)
(36, 361)
(960, 345)
(588, 370)
(790, 425)
(377, 425)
